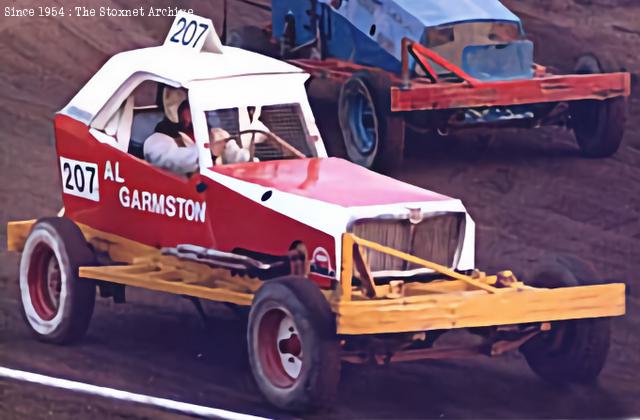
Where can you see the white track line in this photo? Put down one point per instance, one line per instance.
(164, 403)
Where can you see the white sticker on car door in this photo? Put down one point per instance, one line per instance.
(80, 178)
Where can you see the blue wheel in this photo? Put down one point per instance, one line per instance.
(359, 122)
(373, 136)
(362, 121)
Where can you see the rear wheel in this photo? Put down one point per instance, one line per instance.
(57, 304)
(323, 95)
(293, 349)
(374, 137)
(574, 350)
(598, 125)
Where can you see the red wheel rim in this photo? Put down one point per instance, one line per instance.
(45, 281)
(279, 348)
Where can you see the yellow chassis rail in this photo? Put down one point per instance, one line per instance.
(455, 301)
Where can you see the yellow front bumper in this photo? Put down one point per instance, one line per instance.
(478, 308)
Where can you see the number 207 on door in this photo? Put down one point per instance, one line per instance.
(80, 178)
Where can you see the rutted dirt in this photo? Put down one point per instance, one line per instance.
(530, 194)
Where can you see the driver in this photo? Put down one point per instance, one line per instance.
(179, 154)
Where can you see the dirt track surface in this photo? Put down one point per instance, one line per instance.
(530, 194)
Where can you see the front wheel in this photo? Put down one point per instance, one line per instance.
(56, 302)
(293, 348)
(573, 350)
(597, 124)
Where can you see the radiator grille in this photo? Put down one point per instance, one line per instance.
(435, 239)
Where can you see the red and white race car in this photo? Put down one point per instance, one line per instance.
(338, 263)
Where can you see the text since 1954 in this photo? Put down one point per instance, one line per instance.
(13, 11)
(84, 11)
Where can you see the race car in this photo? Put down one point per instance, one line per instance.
(437, 68)
(336, 263)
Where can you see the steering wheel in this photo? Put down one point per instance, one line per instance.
(271, 137)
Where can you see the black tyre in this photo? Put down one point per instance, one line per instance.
(598, 125)
(254, 39)
(56, 303)
(374, 137)
(574, 350)
(293, 348)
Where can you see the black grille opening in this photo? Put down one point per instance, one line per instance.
(284, 120)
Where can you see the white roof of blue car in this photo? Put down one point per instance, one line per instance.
(441, 12)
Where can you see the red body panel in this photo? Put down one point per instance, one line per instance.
(332, 180)
(421, 94)
(231, 221)
(514, 92)
(474, 93)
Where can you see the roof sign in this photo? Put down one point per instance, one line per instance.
(193, 33)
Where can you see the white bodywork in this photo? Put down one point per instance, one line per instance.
(124, 71)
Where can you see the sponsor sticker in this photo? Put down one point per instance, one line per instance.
(321, 262)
